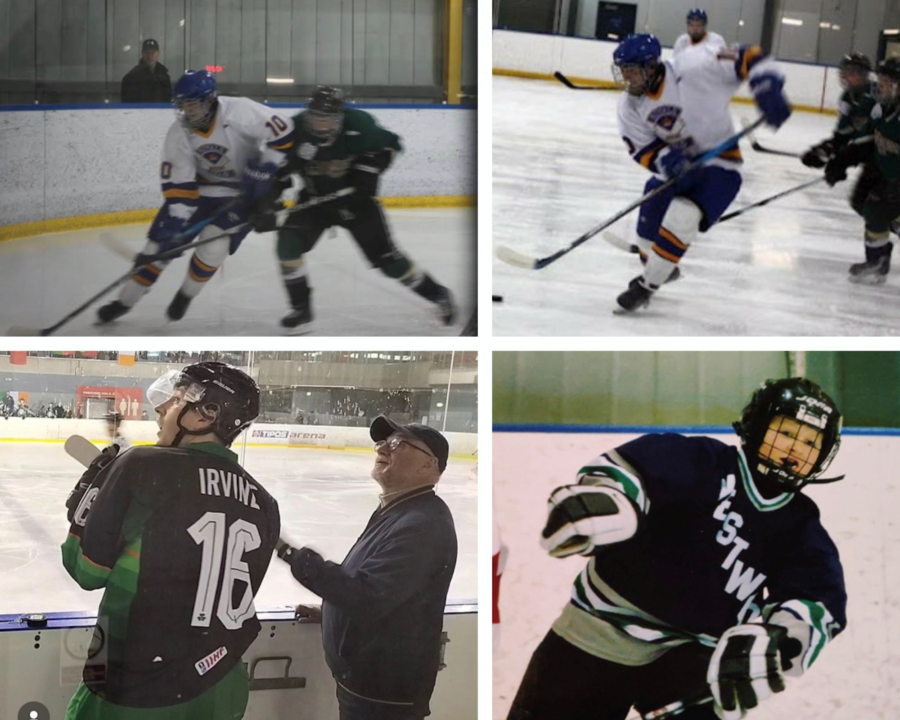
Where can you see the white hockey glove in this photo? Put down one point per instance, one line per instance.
(746, 668)
(581, 517)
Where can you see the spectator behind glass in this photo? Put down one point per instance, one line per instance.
(148, 81)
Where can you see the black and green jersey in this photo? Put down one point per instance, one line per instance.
(887, 143)
(326, 168)
(854, 111)
(180, 538)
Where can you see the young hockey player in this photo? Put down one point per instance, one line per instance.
(219, 157)
(671, 113)
(337, 147)
(180, 538)
(854, 110)
(697, 34)
(877, 194)
(708, 572)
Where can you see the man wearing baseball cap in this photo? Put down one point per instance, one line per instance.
(383, 606)
(148, 81)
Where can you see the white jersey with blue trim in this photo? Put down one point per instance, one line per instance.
(712, 40)
(210, 163)
(690, 109)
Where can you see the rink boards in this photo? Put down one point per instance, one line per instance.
(41, 667)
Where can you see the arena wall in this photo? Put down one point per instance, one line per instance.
(462, 445)
(809, 87)
(853, 678)
(57, 164)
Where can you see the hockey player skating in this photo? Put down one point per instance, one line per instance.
(180, 538)
(337, 147)
(877, 194)
(697, 34)
(665, 123)
(219, 152)
(709, 570)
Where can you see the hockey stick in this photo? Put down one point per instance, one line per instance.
(569, 84)
(677, 707)
(769, 199)
(512, 257)
(81, 449)
(124, 250)
(167, 255)
(760, 149)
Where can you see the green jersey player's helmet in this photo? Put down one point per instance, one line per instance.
(219, 392)
(324, 116)
(797, 399)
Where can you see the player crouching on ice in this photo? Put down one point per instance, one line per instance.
(179, 537)
(337, 148)
(877, 194)
(220, 152)
(672, 112)
(709, 572)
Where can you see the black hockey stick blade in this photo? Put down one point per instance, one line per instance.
(760, 149)
(569, 84)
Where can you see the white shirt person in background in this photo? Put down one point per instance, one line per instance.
(696, 34)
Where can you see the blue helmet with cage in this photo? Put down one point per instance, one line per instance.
(699, 15)
(643, 52)
(194, 98)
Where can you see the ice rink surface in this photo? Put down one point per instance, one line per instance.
(325, 498)
(45, 277)
(856, 677)
(561, 168)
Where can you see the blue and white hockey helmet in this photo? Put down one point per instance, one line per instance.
(698, 15)
(791, 455)
(194, 98)
(636, 63)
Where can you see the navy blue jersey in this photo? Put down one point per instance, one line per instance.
(710, 552)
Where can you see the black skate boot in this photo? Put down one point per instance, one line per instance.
(299, 320)
(636, 296)
(111, 311)
(445, 306)
(875, 269)
(178, 307)
(674, 275)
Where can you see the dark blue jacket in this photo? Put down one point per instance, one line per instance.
(383, 607)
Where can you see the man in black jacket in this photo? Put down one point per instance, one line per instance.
(383, 606)
(148, 81)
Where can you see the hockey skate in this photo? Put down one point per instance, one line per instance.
(111, 311)
(178, 307)
(446, 308)
(636, 296)
(871, 273)
(298, 321)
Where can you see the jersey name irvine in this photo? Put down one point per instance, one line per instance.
(222, 483)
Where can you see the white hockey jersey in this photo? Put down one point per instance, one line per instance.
(713, 40)
(210, 163)
(690, 108)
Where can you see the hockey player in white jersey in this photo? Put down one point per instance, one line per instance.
(672, 113)
(697, 34)
(219, 158)
(114, 430)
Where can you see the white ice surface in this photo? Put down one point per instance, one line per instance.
(44, 278)
(325, 498)
(560, 168)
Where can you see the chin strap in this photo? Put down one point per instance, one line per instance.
(182, 431)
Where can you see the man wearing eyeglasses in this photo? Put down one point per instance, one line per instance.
(383, 606)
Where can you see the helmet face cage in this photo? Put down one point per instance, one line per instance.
(804, 402)
(324, 125)
(888, 70)
(641, 52)
(194, 99)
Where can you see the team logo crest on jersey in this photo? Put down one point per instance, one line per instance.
(212, 153)
(667, 118)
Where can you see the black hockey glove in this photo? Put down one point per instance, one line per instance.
(819, 155)
(304, 562)
(87, 479)
(262, 215)
(746, 667)
(836, 169)
(367, 169)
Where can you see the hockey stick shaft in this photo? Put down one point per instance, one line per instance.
(569, 84)
(538, 264)
(769, 199)
(169, 255)
(677, 707)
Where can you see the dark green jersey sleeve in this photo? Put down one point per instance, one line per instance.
(854, 116)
